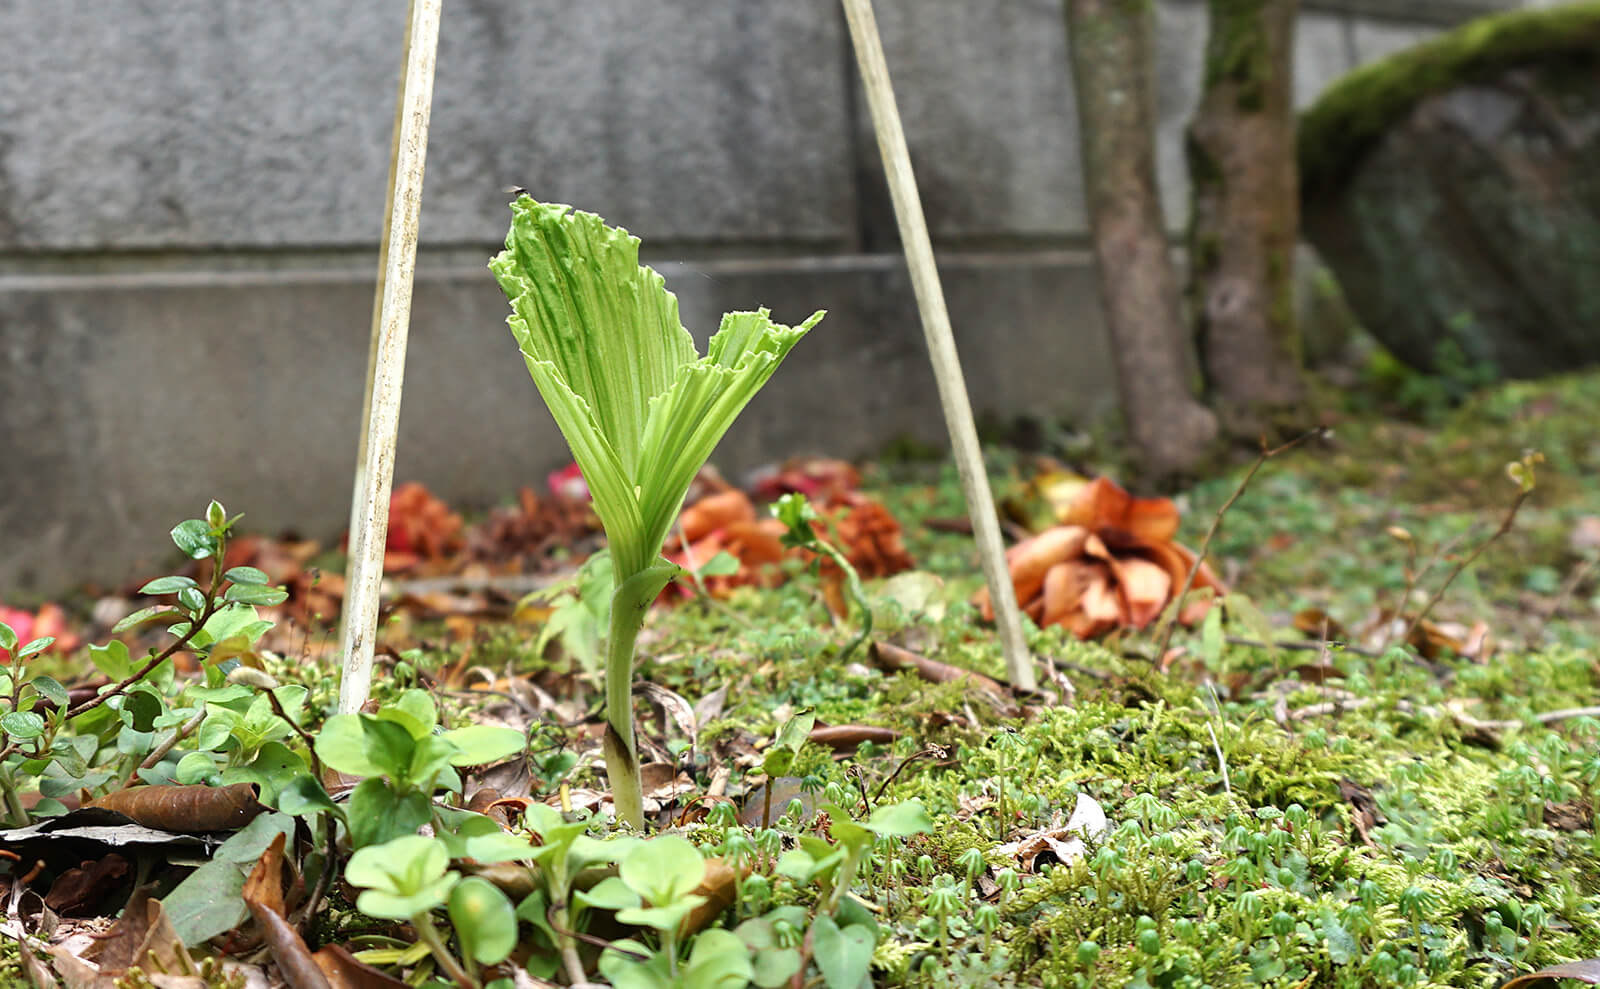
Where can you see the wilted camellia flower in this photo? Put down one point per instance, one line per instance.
(1110, 564)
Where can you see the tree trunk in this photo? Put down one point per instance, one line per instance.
(1110, 53)
(1246, 218)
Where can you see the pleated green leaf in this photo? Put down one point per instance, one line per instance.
(641, 410)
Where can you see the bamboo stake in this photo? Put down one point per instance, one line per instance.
(941, 340)
(358, 489)
(376, 472)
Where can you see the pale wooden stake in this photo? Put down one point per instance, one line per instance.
(359, 488)
(375, 474)
(941, 340)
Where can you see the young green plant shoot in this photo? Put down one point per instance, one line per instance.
(639, 407)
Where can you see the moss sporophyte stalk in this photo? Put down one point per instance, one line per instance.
(639, 407)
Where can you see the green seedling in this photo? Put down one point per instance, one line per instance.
(640, 409)
(126, 731)
(794, 511)
(780, 758)
(403, 761)
(405, 879)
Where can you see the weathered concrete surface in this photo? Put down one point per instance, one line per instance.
(130, 405)
(143, 372)
(232, 123)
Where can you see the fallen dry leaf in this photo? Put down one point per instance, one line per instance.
(1587, 970)
(820, 479)
(844, 738)
(1063, 844)
(186, 809)
(421, 527)
(1111, 565)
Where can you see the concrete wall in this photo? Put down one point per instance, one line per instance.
(190, 191)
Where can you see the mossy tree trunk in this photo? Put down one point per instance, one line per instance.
(1109, 43)
(1246, 218)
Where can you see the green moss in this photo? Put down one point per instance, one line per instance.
(1338, 129)
(1237, 51)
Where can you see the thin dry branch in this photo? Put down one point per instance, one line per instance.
(1170, 621)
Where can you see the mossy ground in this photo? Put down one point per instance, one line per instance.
(1234, 856)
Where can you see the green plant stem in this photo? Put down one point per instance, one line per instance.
(629, 605)
(569, 947)
(429, 935)
(857, 594)
(16, 814)
(195, 624)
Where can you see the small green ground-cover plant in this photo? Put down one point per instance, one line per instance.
(1234, 856)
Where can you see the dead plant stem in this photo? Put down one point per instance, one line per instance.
(1170, 623)
(1465, 562)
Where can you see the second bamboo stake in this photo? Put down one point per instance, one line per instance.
(941, 340)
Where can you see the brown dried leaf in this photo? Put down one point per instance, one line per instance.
(719, 887)
(263, 894)
(186, 809)
(1103, 505)
(78, 892)
(1364, 810)
(717, 511)
(1587, 970)
(843, 738)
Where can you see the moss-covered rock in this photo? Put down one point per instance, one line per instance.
(1455, 191)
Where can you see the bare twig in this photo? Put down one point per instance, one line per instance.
(1548, 613)
(183, 731)
(1466, 561)
(1170, 621)
(1305, 645)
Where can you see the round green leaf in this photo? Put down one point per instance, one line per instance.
(51, 690)
(403, 877)
(663, 870)
(256, 594)
(196, 767)
(193, 538)
(167, 585)
(22, 725)
(480, 744)
(899, 820)
(404, 865)
(303, 796)
(35, 647)
(155, 613)
(484, 920)
(342, 745)
(609, 893)
(719, 960)
(192, 600)
(247, 575)
(8, 637)
(666, 918)
(843, 955)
